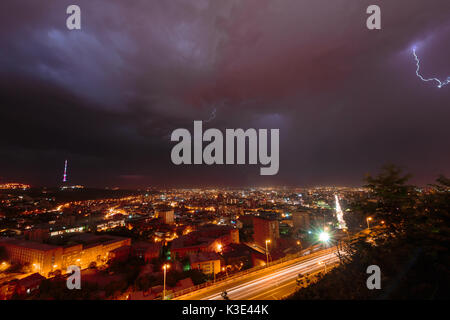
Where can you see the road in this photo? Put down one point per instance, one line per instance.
(273, 284)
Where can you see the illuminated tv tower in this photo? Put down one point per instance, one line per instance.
(65, 172)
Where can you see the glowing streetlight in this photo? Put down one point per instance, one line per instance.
(226, 270)
(368, 219)
(324, 236)
(165, 267)
(267, 253)
(4, 265)
(219, 247)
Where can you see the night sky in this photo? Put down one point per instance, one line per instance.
(107, 97)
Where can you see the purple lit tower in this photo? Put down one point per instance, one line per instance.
(65, 172)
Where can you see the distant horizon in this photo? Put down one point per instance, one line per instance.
(413, 180)
(160, 187)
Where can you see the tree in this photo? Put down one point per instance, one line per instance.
(197, 276)
(355, 220)
(393, 200)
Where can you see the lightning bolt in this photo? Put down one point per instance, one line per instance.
(212, 117)
(440, 83)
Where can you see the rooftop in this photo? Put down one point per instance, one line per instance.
(27, 244)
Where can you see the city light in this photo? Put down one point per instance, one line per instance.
(4, 266)
(339, 214)
(14, 186)
(165, 267)
(267, 252)
(324, 236)
(368, 225)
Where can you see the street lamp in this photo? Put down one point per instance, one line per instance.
(324, 236)
(226, 270)
(299, 244)
(219, 247)
(165, 267)
(368, 219)
(267, 252)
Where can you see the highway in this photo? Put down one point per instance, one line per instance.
(273, 284)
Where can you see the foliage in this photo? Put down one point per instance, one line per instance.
(394, 200)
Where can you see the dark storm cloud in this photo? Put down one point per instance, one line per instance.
(107, 97)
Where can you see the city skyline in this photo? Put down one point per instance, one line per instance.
(258, 153)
